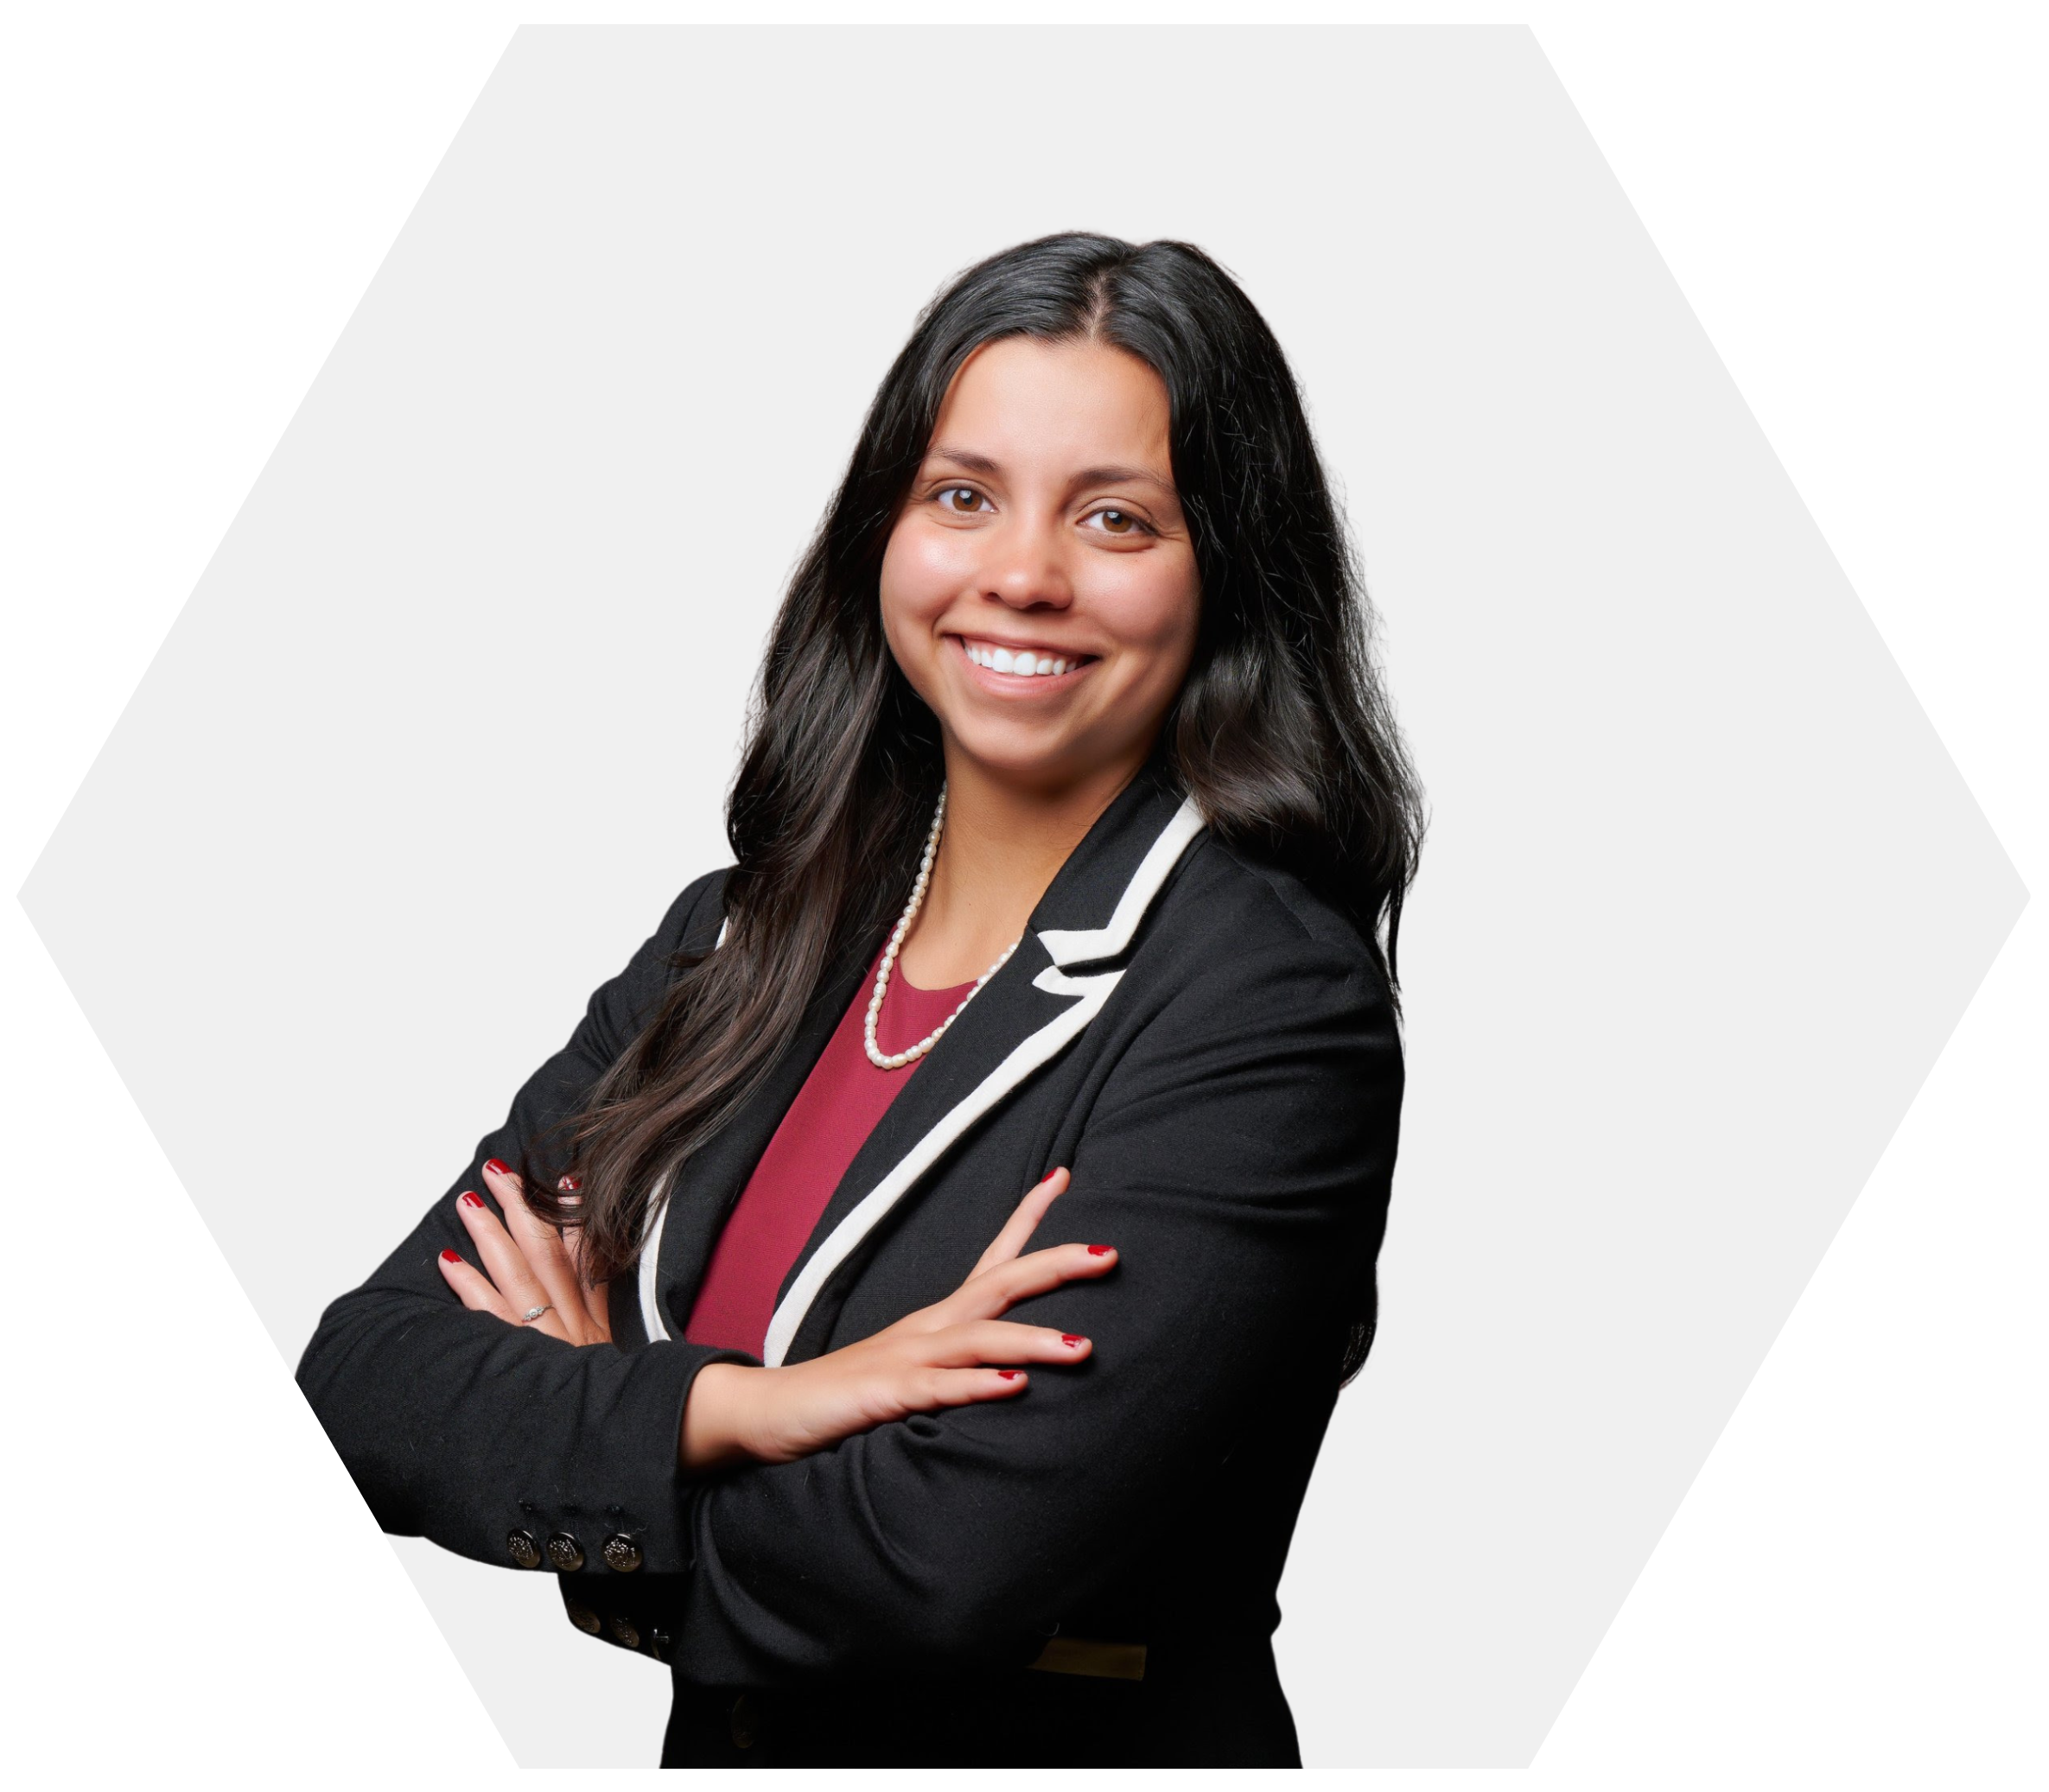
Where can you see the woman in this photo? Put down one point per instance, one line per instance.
(1070, 837)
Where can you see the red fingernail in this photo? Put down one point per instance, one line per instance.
(469, 1199)
(1071, 1340)
(1098, 1250)
(451, 1257)
(495, 1167)
(569, 1185)
(1009, 1374)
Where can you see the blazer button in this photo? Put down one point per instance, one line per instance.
(624, 1634)
(585, 1620)
(746, 1722)
(622, 1555)
(565, 1553)
(521, 1546)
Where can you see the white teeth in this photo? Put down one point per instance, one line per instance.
(1019, 662)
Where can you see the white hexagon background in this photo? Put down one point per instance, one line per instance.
(448, 718)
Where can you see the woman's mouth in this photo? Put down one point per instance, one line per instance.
(1019, 664)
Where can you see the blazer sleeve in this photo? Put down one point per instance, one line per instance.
(1238, 1157)
(465, 1430)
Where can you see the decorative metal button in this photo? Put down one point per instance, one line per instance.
(624, 1634)
(622, 1555)
(521, 1546)
(565, 1553)
(658, 1644)
(585, 1619)
(746, 1722)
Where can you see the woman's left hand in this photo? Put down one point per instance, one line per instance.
(527, 1264)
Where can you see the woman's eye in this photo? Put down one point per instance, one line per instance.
(1117, 522)
(962, 500)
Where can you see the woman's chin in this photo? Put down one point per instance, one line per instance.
(1039, 760)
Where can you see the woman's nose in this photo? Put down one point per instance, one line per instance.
(1027, 570)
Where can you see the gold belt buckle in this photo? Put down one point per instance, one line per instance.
(1103, 1660)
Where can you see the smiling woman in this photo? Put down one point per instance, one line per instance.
(1070, 838)
(1040, 593)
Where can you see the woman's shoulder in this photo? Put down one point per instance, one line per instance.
(1232, 900)
(1242, 965)
(689, 928)
(694, 918)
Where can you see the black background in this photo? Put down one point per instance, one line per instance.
(201, 216)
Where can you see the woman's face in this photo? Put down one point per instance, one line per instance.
(1039, 589)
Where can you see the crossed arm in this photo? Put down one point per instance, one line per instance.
(901, 1502)
(942, 1356)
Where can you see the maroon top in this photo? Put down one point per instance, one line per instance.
(827, 1124)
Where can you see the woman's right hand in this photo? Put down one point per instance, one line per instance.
(955, 1352)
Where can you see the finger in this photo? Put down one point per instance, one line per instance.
(1023, 1223)
(534, 1235)
(964, 1387)
(475, 1291)
(473, 1288)
(572, 1232)
(546, 1253)
(501, 1258)
(1003, 1343)
(1000, 1287)
(597, 1303)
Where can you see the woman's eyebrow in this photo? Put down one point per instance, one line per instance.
(967, 457)
(1118, 476)
(973, 462)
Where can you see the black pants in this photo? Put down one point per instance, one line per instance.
(1207, 1705)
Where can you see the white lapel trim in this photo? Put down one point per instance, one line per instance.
(1085, 945)
(1034, 1050)
(650, 1271)
(1064, 947)
(651, 1240)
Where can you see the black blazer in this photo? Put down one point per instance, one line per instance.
(1211, 1049)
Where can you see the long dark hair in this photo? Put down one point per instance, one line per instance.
(1281, 734)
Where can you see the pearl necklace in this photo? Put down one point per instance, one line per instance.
(896, 1060)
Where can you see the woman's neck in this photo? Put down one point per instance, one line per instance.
(1003, 844)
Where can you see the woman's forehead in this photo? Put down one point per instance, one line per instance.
(1084, 403)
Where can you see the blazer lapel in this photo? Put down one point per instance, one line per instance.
(1023, 1017)
(685, 1223)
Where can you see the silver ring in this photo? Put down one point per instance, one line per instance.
(533, 1313)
